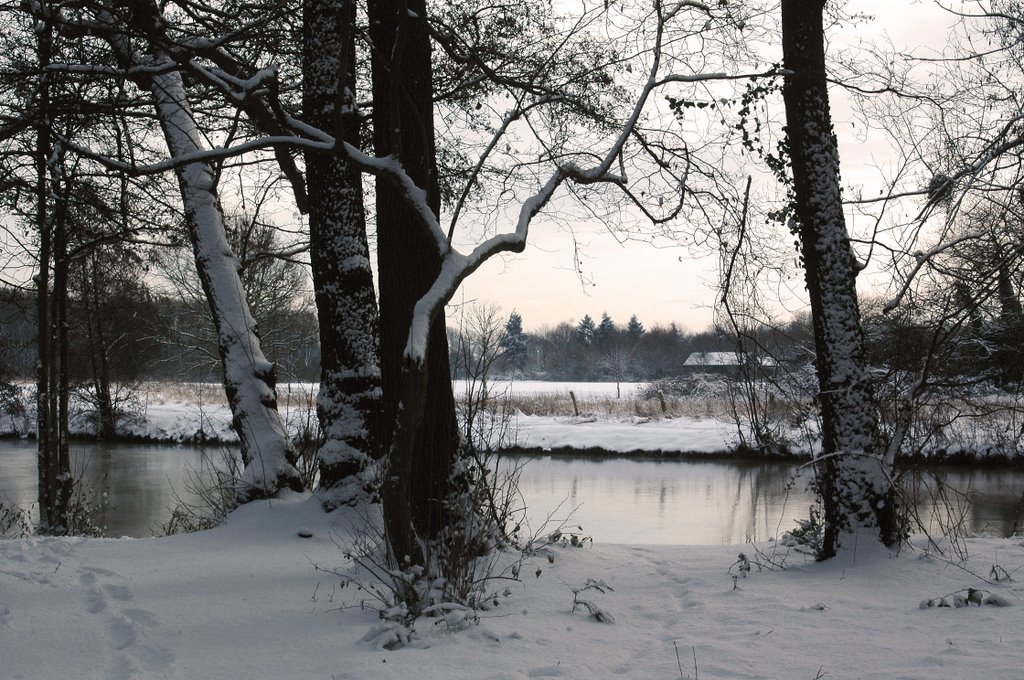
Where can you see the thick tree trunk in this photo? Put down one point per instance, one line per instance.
(350, 402)
(852, 482)
(249, 378)
(420, 459)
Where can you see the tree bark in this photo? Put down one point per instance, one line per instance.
(53, 456)
(249, 378)
(350, 402)
(45, 437)
(852, 476)
(423, 449)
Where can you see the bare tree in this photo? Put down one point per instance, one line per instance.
(249, 379)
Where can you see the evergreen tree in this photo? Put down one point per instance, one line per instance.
(606, 330)
(634, 329)
(513, 341)
(586, 330)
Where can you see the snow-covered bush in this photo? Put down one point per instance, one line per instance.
(465, 568)
(807, 535)
(968, 597)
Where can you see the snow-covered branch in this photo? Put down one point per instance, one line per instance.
(456, 267)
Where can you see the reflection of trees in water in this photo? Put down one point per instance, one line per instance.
(996, 501)
(761, 500)
(638, 501)
(979, 500)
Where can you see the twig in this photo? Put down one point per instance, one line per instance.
(679, 662)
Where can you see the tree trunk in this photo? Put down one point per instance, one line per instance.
(420, 461)
(350, 402)
(53, 456)
(249, 378)
(45, 437)
(106, 425)
(852, 482)
(63, 483)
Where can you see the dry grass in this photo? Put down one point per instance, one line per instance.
(302, 397)
(293, 395)
(189, 392)
(560, 404)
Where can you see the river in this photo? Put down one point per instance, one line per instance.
(614, 500)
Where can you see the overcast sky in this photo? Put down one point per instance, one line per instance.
(668, 283)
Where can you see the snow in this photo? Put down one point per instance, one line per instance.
(678, 435)
(194, 412)
(534, 388)
(180, 419)
(256, 599)
(245, 600)
(712, 359)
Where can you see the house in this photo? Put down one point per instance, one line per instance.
(722, 363)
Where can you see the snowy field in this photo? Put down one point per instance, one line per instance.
(543, 417)
(583, 390)
(192, 411)
(246, 601)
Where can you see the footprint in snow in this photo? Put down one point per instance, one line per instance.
(126, 627)
(95, 601)
(121, 593)
(123, 632)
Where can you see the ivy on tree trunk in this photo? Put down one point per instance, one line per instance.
(852, 482)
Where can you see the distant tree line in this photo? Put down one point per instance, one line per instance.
(131, 333)
(589, 350)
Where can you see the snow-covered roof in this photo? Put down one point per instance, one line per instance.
(713, 359)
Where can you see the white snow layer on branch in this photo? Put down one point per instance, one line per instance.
(246, 369)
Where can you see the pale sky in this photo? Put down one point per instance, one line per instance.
(668, 283)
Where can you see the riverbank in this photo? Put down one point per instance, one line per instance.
(197, 413)
(254, 599)
(549, 417)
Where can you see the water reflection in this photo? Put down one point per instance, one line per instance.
(142, 482)
(656, 501)
(632, 500)
(985, 500)
(615, 500)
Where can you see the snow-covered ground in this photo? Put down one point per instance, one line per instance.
(689, 435)
(245, 600)
(192, 412)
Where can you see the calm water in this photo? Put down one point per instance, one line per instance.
(615, 500)
(142, 482)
